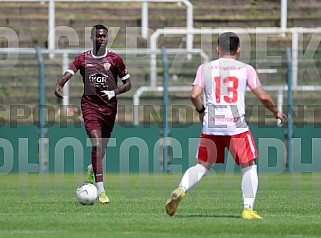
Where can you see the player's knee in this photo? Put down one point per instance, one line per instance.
(97, 147)
(250, 163)
(207, 165)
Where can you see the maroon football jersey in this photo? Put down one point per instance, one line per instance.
(99, 73)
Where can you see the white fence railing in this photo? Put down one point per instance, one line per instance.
(65, 53)
(13, 55)
(296, 33)
(144, 20)
(279, 89)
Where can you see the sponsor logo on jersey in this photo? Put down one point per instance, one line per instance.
(98, 79)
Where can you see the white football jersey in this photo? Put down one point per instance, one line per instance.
(224, 82)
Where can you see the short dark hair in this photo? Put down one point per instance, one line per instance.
(228, 42)
(97, 27)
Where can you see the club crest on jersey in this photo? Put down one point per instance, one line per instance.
(107, 66)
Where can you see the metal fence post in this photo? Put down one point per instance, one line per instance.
(290, 108)
(165, 115)
(42, 120)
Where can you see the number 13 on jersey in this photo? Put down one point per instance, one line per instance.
(231, 84)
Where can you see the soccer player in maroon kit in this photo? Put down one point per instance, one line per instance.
(100, 69)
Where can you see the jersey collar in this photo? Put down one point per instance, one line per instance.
(98, 57)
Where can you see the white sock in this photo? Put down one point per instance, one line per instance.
(100, 187)
(192, 176)
(249, 185)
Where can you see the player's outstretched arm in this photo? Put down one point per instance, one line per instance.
(60, 84)
(267, 101)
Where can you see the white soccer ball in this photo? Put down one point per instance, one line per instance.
(87, 194)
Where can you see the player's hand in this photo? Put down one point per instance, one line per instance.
(109, 94)
(282, 118)
(58, 91)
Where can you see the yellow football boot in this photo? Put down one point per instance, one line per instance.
(173, 201)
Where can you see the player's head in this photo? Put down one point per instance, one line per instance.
(97, 27)
(99, 37)
(228, 43)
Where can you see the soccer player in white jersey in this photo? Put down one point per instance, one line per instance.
(224, 82)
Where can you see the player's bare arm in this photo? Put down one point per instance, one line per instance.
(60, 84)
(125, 87)
(196, 98)
(267, 101)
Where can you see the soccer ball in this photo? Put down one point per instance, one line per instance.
(87, 194)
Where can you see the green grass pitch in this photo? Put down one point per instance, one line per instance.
(45, 205)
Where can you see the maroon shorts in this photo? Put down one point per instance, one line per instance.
(101, 118)
(241, 146)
